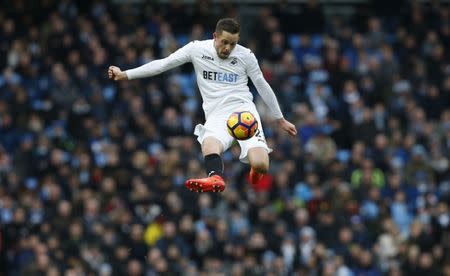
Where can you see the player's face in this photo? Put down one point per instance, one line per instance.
(225, 43)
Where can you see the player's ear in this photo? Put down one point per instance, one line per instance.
(214, 35)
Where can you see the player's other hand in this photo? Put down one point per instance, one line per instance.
(116, 74)
(287, 126)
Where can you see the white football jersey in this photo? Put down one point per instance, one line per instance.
(219, 80)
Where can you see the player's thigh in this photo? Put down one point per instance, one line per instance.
(213, 135)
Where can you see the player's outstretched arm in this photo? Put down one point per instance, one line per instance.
(114, 73)
(270, 99)
(268, 96)
(154, 67)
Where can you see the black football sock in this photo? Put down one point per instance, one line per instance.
(213, 164)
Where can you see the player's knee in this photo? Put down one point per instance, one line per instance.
(211, 145)
(260, 167)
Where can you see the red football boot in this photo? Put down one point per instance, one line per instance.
(213, 183)
(254, 177)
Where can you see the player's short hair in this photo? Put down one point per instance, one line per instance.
(228, 25)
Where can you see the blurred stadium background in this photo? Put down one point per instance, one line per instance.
(92, 172)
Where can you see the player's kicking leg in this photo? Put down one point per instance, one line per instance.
(258, 158)
(212, 150)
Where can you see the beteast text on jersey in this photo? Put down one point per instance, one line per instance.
(220, 76)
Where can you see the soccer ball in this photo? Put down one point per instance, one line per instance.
(242, 125)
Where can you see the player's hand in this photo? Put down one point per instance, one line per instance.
(287, 126)
(116, 74)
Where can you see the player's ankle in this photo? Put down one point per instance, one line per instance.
(213, 173)
(214, 165)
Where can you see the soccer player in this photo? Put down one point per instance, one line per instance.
(222, 68)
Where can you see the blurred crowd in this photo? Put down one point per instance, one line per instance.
(92, 171)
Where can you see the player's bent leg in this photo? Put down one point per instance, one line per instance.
(259, 162)
(212, 150)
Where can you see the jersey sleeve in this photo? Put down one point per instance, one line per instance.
(155, 67)
(263, 88)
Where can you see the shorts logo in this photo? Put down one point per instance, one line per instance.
(234, 61)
